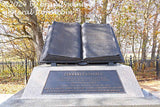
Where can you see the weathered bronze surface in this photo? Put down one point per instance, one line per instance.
(72, 82)
(73, 43)
(100, 44)
(63, 43)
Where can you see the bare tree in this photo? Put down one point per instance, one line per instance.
(32, 23)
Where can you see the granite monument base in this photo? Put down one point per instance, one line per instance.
(147, 101)
(82, 82)
(112, 86)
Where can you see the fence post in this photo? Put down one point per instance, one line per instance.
(157, 67)
(26, 79)
(130, 64)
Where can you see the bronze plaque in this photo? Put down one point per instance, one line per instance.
(72, 82)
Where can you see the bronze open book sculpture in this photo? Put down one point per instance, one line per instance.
(73, 43)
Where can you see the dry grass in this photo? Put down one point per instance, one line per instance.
(10, 88)
(146, 80)
(153, 85)
(146, 76)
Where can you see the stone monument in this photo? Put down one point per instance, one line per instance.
(82, 69)
(91, 44)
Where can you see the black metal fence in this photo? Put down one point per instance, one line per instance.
(145, 66)
(21, 71)
(16, 71)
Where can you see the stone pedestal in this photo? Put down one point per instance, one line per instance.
(130, 95)
(147, 101)
(40, 75)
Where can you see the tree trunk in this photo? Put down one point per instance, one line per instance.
(139, 50)
(35, 27)
(154, 45)
(145, 31)
(104, 13)
(158, 51)
(144, 45)
(154, 42)
(133, 50)
(37, 32)
(83, 18)
(38, 40)
(32, 62)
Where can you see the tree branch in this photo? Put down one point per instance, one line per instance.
(27, 24)
(24, 30)
(110, 10)
(21, 37)
(22, 8)
(57, 1)
(8, 41)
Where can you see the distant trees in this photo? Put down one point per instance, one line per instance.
(136, 23)
(156, 28)
(107, 8)
(137, 27)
